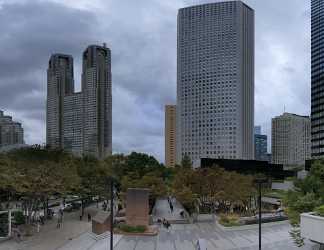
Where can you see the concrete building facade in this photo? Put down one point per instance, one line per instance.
(11, 132)
(317, 78)
(215, 81)
(291, 140)
(80, 123)
(170, 135)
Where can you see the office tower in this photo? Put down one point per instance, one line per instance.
(11, 132)
(59, 83)
(257, 130)
(96, 89)
(80, 123)
(215, 81)
(317, 73)
(170, 135)
(260, 145)
(73, 123)
(290, 140)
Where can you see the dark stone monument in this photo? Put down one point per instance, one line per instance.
(137, 207)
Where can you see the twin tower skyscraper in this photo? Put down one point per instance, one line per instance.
(80, 122)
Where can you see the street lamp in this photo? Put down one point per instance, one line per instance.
(259, 180)
(111, 182)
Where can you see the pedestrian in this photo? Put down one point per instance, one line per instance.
(38, 227)
(168, 226)
(164, 222)
(171, 208)
(89, 217)
(58, 225)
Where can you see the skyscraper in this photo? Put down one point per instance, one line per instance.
(215, 81)
(170, 135)
(97, 101)
(317, 93)
(290, 140)
(59, 83)
(80, 122)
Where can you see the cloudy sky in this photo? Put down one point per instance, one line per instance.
(142, 37)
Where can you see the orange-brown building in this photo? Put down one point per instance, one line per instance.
(170, 135)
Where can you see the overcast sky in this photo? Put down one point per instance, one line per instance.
(142, 37)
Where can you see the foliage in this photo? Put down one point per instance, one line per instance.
(296, 235)
(229, 220)
(320, 211)
(19, 218)
(186, 162)
(227, 189)
(132, 229)
(307, 195)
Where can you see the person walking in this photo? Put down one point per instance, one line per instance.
(171, 208)
(89, 217)
(168, 226)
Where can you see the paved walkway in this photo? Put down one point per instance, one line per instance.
(49, 237)
(162, 210)
(184, 236)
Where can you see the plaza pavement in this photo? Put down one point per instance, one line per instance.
(75, 235)
(184, 236)
(162, 210)
(50, 237)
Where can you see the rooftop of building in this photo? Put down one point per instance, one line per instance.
(286, 114)
(218, 2)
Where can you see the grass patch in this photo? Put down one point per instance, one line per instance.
(229, 220)
(277, 194)
(132, 229)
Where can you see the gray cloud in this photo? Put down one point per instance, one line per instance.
(142, 36)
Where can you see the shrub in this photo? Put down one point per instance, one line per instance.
(320, 211)
(132, 229)
(19, 218)
(229, 220)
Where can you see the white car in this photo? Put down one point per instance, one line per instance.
(201, 244)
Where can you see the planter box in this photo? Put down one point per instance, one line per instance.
(312, 227)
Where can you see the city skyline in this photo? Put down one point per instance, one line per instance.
(138, 106)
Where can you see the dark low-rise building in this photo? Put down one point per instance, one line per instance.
(252, 167)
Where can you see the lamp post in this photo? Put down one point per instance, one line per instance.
(111, 183)
(259, 181)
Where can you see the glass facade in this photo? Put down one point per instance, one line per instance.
(317, 93)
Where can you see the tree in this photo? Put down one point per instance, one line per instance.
(37, 174)
(307, 195)
(186, 162)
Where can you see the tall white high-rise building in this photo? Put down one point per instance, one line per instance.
(80, 122)
(291, 140)
(215, 81)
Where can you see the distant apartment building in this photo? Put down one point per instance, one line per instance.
(215, 81)
(170, 135)
(11, 132)
(80, 123)
(291, 143)
(260, 145)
